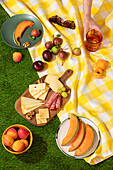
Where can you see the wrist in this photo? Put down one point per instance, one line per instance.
(86, 17)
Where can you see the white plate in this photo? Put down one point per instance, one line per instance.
(62, 131)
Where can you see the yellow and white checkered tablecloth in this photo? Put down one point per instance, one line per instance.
(90, 97)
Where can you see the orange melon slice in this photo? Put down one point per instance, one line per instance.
(87, 141)
(21, 27)
(72, 131)
(78, 139)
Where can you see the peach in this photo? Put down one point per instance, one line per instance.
(11, 147)
(98, 73)
(7, 140)
(101, 64)
(17, 56)
(25, 142)
(18, 146)
(23, 133)
(13, 133)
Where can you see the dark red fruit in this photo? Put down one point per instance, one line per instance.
(49, 44)
(38, 65)
(57, 41)
(47, 55)
(63, 55)
(35, 33)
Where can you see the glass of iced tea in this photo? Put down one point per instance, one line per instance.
(93, 40)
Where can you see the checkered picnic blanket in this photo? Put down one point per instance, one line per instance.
(90, 97)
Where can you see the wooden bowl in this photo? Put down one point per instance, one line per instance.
(30, 139)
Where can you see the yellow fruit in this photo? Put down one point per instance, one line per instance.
(17, 56)
(98, 72)
(101, 64)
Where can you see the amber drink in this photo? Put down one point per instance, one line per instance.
(93, 40)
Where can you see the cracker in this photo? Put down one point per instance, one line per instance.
(40, 120)
(44, 113)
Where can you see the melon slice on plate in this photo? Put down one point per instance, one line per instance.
(79, 138)
(87, 141)
(72, 131)
(21, 27)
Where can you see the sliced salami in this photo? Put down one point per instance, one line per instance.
(58, 102)
(51, 99)
(53, 106)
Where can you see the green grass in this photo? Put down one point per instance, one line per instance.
(44, 153)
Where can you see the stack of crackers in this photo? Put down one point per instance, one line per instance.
(42, 116)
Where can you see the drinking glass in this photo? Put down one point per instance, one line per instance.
(93, 40)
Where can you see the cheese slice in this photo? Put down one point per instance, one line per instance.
(56, 85)
(43, 96)
(34, 92)
(54, 82)
(32, 105)
(51, 78)
(39, 94)
(39, 102)
(24, 111)
(35, 87)
(27, 100)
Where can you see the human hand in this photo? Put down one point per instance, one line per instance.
(89, 24)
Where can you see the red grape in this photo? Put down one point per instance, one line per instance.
(47, 55)
(35, 33)
(38, 65)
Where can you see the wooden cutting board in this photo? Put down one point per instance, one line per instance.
(52, 113)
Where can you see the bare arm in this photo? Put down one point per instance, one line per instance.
(87, 8)
(88, 22)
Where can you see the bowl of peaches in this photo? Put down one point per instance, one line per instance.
(17, 139)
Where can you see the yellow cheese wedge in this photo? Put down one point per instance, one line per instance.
(56, 85)
(35, 87)
(36, 96)
(32, 105)
(51, 78)
(53, 82)
(43, 96)
(34, 92)
(27, 100)
(24, 111)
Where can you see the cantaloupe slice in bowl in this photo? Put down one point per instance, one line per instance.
(79, 138)
(62, 131)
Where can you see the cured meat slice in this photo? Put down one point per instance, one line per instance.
(51, 99)
(58, 102)
(53, 106)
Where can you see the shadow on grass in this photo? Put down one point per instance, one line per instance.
(36, 152)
